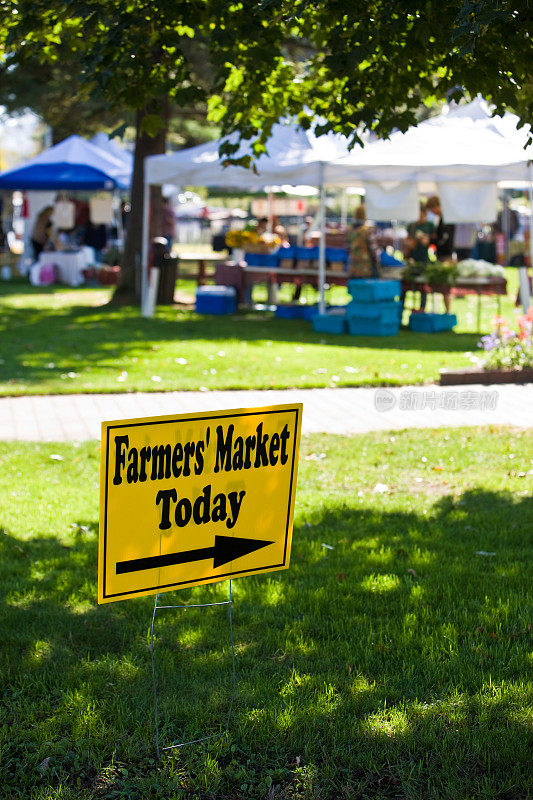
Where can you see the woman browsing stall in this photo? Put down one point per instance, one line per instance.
(364, 251)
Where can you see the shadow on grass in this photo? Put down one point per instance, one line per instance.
(68, 336)
(392, 666)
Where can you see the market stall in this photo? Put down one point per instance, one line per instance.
(294, 156)
(463, 153)
(72, 165)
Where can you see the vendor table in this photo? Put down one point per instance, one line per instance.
(463, 286)
(70, 265)
(202, 259)
(242, 277)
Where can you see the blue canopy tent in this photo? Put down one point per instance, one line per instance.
(72, 165)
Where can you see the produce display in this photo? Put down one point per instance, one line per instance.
(477, 268)
(435, 272)
(448, 272)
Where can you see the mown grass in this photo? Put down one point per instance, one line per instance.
(394, 663)
(60, 340)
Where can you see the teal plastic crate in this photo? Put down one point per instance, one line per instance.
(432, 323)
(371, 327)
(312, 310)
(329, 323)
(380, 312)
(372, 290)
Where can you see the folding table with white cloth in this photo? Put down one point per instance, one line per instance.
(70, 264)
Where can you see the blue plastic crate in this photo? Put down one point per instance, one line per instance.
(270, 260)
(254, 259)
(310, 311)
(337, 255)
(371, 327)
(293, 311)
(370, 290)
(387, 260)
(329, 323)
(216, 300)
(286, 252)
(432, 323)
(379, 312)
(306, 253)
(262, 259)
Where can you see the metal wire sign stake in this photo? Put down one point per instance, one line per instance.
(234, 676)
(195, 499)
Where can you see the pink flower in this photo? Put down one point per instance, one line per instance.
(524, 323)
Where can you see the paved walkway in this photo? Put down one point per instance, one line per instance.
(78, 417)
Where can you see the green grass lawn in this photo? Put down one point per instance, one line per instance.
(61, 340)
(394, 663)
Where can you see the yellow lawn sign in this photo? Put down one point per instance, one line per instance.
(196, 498)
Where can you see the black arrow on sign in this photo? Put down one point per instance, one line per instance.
(225, 549)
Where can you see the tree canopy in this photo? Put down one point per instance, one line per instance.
(369, 65)
(53, 92)
(354, 64)
(351, 64)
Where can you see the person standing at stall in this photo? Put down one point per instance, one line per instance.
(417, 244)
(41, 233)
(444, 234)
(443, 238)
(168, 222)
(364, 250)
(419, 237)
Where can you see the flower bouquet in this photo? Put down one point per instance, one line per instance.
(241, 239)
(253, 242)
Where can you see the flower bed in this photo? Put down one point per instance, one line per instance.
(505, 348)
(507, 356)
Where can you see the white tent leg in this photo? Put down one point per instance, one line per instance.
(344, 209)
(270, 212)
(118, 216)
(144, 245)
(322, 245)
(525, 295)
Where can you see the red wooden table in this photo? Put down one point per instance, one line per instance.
(243, 278)
(463, 286)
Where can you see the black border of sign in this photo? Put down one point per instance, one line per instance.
(197, 419)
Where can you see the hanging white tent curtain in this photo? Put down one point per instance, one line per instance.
(388, 200)
(473, 201)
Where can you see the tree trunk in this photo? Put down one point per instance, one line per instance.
(128, 290)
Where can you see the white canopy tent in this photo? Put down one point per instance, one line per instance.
(462, 150)
(294, 156)
(453, 146)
